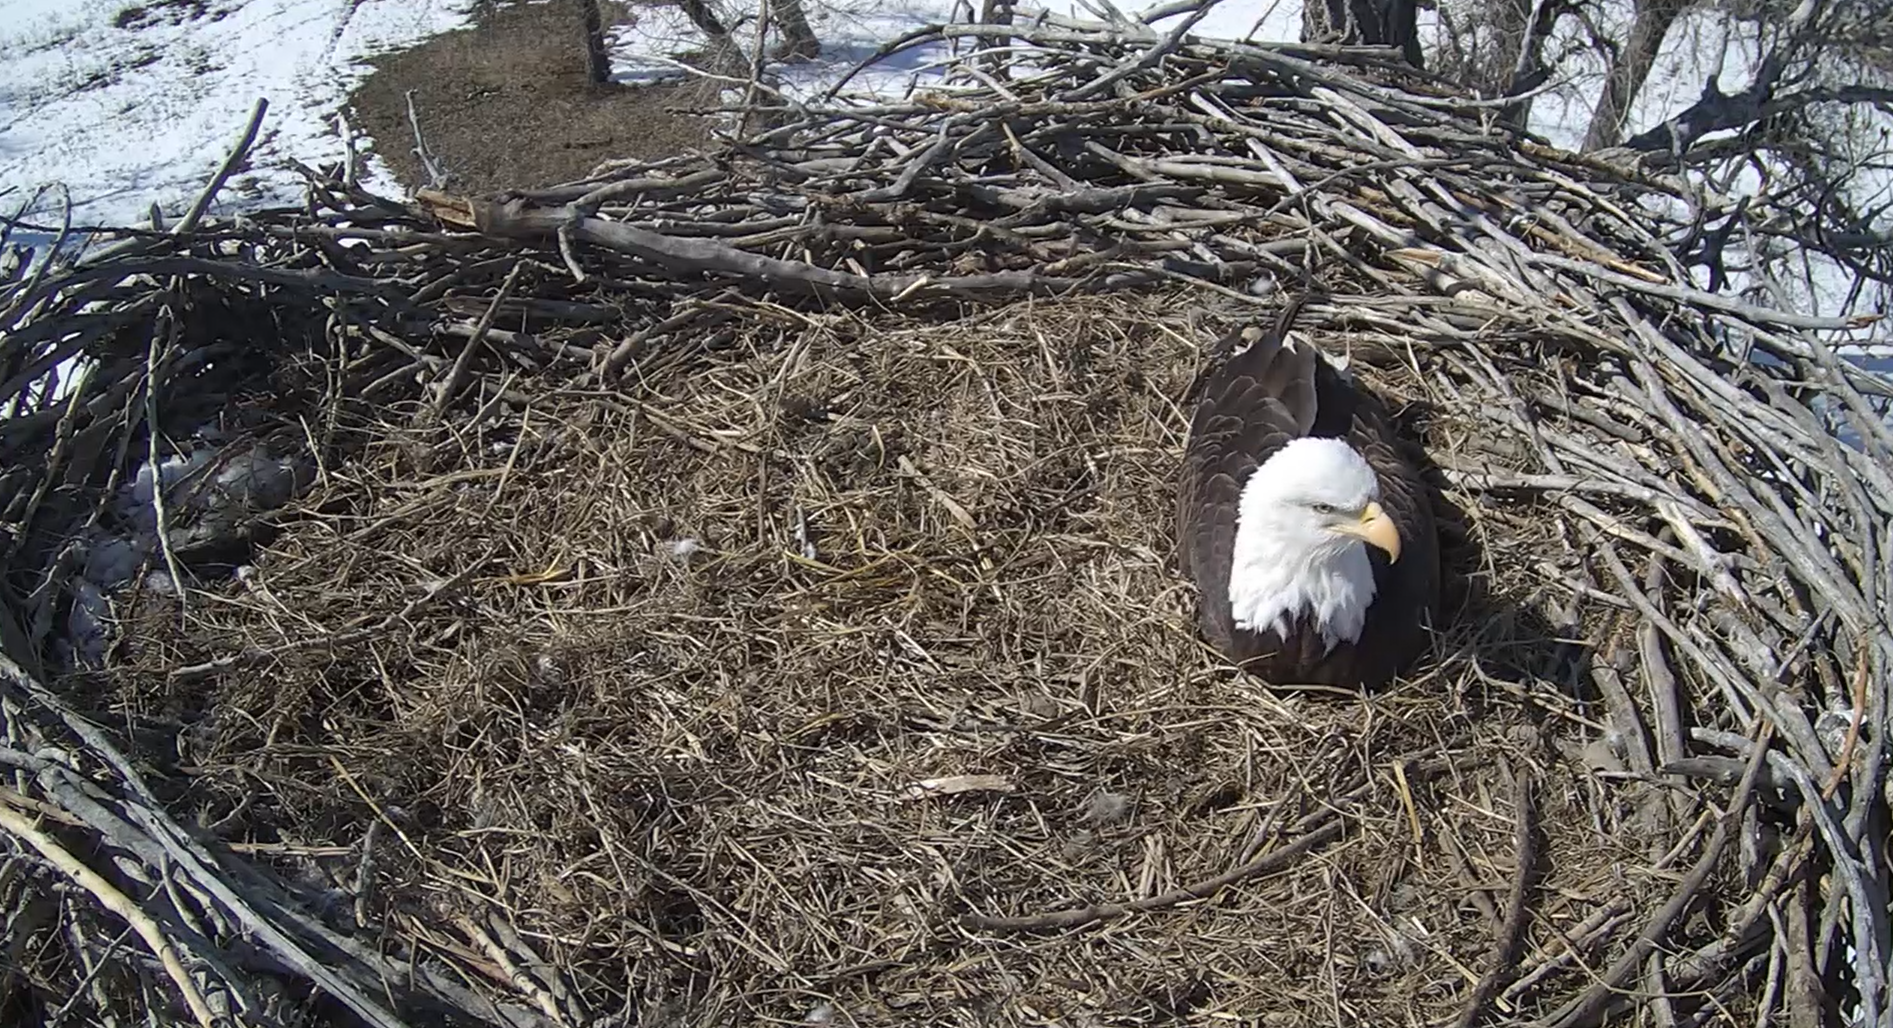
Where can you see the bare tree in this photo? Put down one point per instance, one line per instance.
(1373, 22)
(721, 53)
(1820, 55)
(597, 60)
(1794, 117)
(1499, 48)
(1630, 68)
(1802, 132)
(796, 40)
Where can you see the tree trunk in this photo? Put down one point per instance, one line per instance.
(798, 40)
(1630, 70)
(597, 61)
(995, 12)
(721, 52)
(1529, 71)
(1364, 22)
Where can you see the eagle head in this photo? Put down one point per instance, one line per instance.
(1307, 515)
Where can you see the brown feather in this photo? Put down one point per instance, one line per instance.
(1251, 404)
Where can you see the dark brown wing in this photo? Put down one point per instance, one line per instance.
(1407, 593)
(1251, 405)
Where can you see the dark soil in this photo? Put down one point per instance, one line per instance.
(506, 103)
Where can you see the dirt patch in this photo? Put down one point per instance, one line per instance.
(506, 103)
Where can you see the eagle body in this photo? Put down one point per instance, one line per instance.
(1303, 520)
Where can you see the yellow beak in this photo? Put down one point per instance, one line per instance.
(1375, 529)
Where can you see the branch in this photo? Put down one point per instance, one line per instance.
(1584, 1008)
(118, 903)
(697, 257)
(1512, 930)
(1717, 111)
(189, 222)
(436, 174)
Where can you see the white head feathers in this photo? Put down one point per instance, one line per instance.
(1306, 517)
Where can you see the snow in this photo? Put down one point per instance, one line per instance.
(116, 105)
(122, 103)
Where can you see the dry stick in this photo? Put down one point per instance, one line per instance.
(103, 259)
(79, 988)
(436, 175)
(1608, 674)
(1862, 891)
(16, 299)
(568, 252)
(757, 61)
(696, 256)
(590, 199)
(118, 903)
(158, 841)
(504, 961)
(1156, 52)
(1843, 763)
(509, 937)
(55, 462)
(1274, 860)
(1665, 698)
(626, 351)
(459, 370)
(1587, 1006)
(188, 223)
(1587, 935)
(1696, 968)
(365, 873)
(1493, 481)
(1511, 933)
(167, 318)
(1656, 992)
(1805, 988)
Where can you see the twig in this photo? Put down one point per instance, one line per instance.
(1273, 860)
(504, 961)
(189, 222)
(436, 174)
(164, 329)
(118, 903)
(1587, 935)
(458, 372)
(1511, 933)
(1843, 763)
(1582, 1009)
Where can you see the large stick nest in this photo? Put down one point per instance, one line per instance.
(738, 590)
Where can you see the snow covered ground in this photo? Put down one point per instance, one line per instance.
(122, 103)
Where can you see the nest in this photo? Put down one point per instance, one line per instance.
(739, 589)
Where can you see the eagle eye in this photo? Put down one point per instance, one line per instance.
(1324, 508)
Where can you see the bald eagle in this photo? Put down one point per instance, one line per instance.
(1303, 521)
